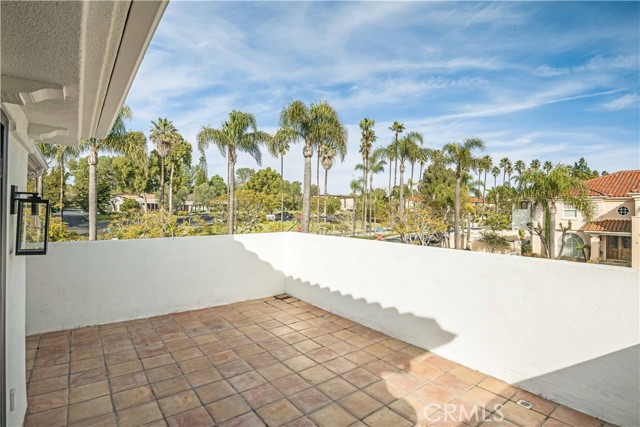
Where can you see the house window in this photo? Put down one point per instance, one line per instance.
(623, 210)
(569, 212)
(572, 245)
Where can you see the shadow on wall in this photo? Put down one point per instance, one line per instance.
(619, 366)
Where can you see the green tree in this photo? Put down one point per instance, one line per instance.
(204, 194)
(315, 124)
(219, 187)
(239, 133)
(115, 143)
(243, 175)
(266, 181)
(582, 170)
(200, 175)
(462, 157)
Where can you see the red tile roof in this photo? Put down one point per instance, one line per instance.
(617, 184)
(610, 225)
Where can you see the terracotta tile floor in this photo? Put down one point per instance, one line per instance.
(266, 362)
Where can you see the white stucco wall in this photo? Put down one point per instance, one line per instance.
(15, 296)
(567, 331)
(88, 283)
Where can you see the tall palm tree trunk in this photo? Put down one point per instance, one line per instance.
(281, 189)
(371, 198)
(62, 187)
(389, 179)
(484, 189)
(456, 214)
(552, 230)
(364, 195)
(395, 168)
(306, 190)
(93, 194)
(162, 183)
(412, 165)
(318, 196)
(468, 240)
(232, 192)
(495, 188)
(171, 188)
(326, 174)
(401, 205)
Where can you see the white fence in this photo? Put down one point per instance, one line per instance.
(566, 331)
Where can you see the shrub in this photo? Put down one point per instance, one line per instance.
(129, 206)
(494, 241)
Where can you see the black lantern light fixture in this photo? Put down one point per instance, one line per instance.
(32, 234)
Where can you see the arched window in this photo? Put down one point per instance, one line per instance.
(571, 245)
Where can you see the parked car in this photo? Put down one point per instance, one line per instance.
(271, 217)
(284, 216)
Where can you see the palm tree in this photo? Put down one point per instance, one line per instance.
(356, 186)
(315, 124)
(327, 154)
(375, 166)
(389, 153)
(61, 154)
(505, 164)
(117, 143)
(278, 147)
(366, 143)
(461, 156)
(421, 156)
(239, 133)
(486, 163)
(406, 147)
(535, 164)
(164, 134)
(547, 166)
(520, 167)
(180, 155)
(495, 172)
(546, 189)
(396, 128)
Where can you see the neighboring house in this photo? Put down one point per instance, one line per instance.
(117, 200)
(614, 233)
(346, 203)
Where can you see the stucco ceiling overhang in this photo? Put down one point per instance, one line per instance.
(67, 66)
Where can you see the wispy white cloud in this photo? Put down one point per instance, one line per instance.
(630, 100)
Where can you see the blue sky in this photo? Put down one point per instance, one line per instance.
(548, 80)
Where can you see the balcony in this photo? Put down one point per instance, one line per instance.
(291, 329)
